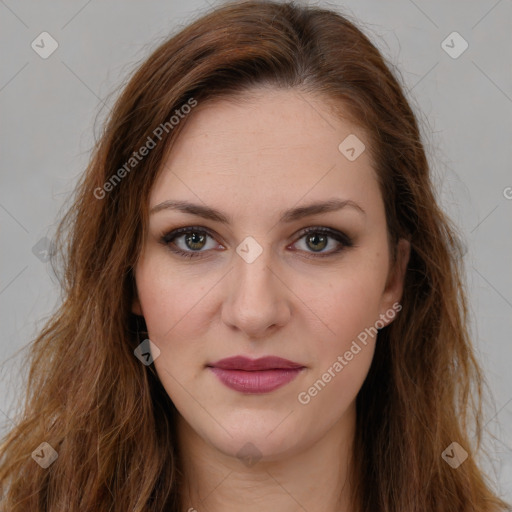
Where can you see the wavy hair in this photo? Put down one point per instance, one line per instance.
(107, 415)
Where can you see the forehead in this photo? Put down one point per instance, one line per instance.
(267, 144)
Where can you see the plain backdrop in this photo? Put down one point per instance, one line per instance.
(50, 109)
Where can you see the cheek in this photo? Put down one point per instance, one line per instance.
(342, 356)
(347, 349)
(347, 302)
(170, 298)
(349, 308)
(329, 394)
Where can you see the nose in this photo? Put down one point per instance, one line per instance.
(257, 299)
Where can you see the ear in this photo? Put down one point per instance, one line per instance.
(136, 308)
(394, 288)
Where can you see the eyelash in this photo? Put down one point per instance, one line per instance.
(340, 237)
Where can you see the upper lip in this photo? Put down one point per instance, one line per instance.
(247, 364)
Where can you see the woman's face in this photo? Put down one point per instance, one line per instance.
(256, 284)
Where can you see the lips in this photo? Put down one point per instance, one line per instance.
(263, 363)
(261, 375)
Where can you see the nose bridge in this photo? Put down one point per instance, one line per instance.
(256, 297)
(253, 277)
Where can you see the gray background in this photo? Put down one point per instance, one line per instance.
(50, 109)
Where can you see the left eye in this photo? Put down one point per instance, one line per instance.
(319, 240)
(195, 239)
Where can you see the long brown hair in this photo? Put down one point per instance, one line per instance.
(108, 416)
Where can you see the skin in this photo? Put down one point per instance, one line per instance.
(251, 160)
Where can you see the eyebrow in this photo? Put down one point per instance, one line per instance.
(287, 216)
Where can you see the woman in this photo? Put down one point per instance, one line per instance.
(263, 303)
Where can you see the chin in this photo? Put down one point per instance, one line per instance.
(252, 446)
(251, 434)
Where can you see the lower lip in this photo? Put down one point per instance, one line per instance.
(262, 381)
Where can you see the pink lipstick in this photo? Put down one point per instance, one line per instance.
(255, 375)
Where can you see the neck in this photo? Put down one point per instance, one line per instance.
(313, 478)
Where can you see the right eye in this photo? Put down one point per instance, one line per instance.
(193, 240)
